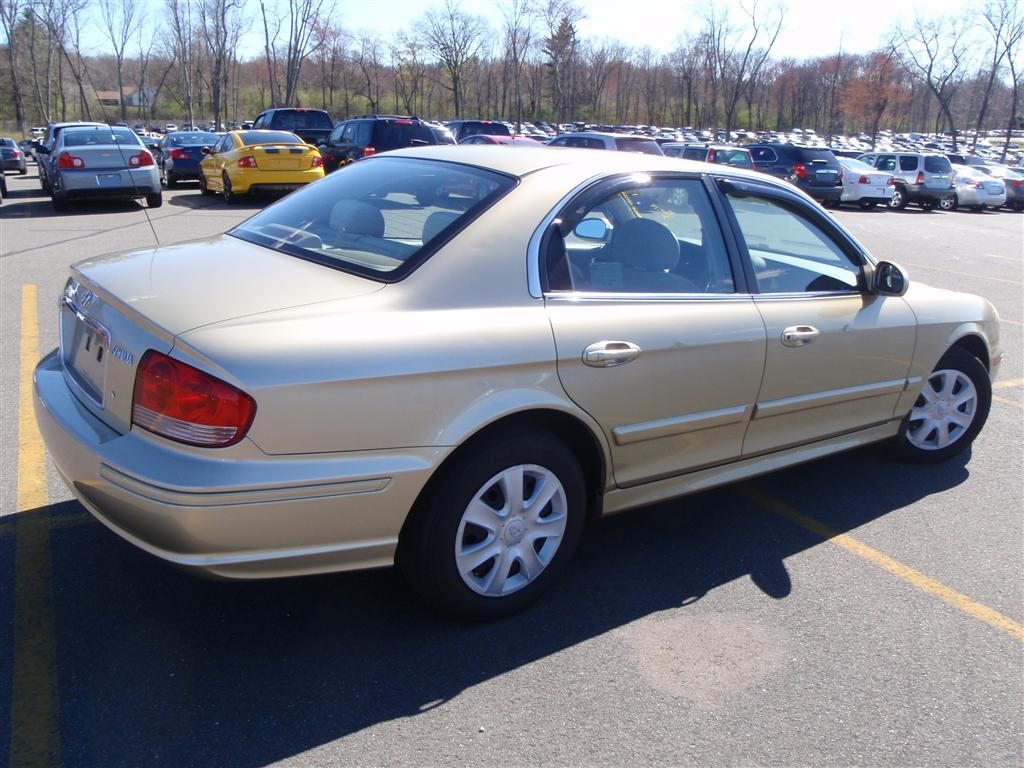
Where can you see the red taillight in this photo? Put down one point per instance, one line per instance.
(891, 182)
(1017, 183)
(179, 154)
(15, 154)
(403, 122)
(711, 155)
(863, 180)
(247, 162)
(800, 171)
(181, 403)
(140, 160)
(367, 151)
(318, 162)
(920, 177)
(67, 160)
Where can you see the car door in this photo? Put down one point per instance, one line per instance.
(838, 355)
(213, 163)
(656, 335)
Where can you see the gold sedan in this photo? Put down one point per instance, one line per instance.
(450, 358)
(250, 161)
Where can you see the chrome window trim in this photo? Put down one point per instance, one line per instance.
(578, 296)
(809, 295)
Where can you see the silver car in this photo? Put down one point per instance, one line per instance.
(978, 190)
(449, 358)
(102, 162)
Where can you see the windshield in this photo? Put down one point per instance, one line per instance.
(82, 137)
(269, 137)
(190, 139)
(380, 217)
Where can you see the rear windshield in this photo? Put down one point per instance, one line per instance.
(695, 153)
(380, 218)
(7, 143)
(645, 146)
(269, 137)
(936, 164)
(288, 120)
(810, 155)
(83, 137)
(192, 139)
(390, 134)
(488, 129)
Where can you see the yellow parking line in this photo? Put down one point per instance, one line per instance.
(34, 737)
(898, 569)
(1008, 383)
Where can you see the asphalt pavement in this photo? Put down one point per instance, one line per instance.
(852, 611)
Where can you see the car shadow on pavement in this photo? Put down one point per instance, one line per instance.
(156, 667)
(211, 202)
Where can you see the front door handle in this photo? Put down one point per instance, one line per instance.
(799, 335)
(605, 354)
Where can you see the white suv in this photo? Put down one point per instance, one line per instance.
(924, 178)
(622, 142)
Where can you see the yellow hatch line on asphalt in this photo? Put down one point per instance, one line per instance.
(896, 568)
(35, 740)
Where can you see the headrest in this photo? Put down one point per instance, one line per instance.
(645, 244)
(357, 217)
(435, 222)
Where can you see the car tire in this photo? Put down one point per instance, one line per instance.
(203, 189)
(899, 199)
(466, 506)
(60, 203)
(950, 203)
(155, 200)
(22, 171)
(950, 411)
(230, 197)
(867, 204)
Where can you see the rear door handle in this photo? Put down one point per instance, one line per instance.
(799, 335)
(605, 354)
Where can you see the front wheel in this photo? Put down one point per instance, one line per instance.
(155, 200)
(899, 199)
(496, 527)
(203, 189)
(949, 203)
(950, 411)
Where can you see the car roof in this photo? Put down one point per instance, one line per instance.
(587, 163)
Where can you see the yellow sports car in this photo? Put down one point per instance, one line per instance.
(249, 161)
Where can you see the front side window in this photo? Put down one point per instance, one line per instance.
(380, 217)
(790, 253)
(657, 236)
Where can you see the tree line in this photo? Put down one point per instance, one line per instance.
(530, 63)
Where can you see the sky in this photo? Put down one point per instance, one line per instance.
(811, 28)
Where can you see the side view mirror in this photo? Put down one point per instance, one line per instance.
(207, 150)
(42, 150)
(591, 229)
(889, 279)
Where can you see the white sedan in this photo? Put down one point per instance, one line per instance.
(865, 185)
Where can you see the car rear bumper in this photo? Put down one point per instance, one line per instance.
(274, 180)
(247, 516)
(826, 194)
(917, 193)
(75, 184)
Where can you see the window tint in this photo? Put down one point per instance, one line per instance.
(378, 216)
(348, 133)
(337, 134)
(364, 132)
(660, 237)
(790, 254)
(695, 153)
(934, 164)
(83, 137)
(394, 134)
(473, 127)
(736, 158)
(886, 163)
(763, 155)
(192, 139)
(908, 163)
(643, 146)
(296, 119)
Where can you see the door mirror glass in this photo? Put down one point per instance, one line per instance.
(591, 229)
(890, 279)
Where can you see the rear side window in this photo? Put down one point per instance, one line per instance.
(395, 134)
(268, 137)
(763, 155)
(908, 163)
(380, 217)
(291, 120)
(736, 158)
(934, 164)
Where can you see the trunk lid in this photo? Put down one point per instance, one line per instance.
(283, 157)
(116, 307)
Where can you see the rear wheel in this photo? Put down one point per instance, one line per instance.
(496, 527)
(155, 200)
(899, 199)
(949, 203)
(950, 411)
(230, 196)
(867, 204)
(60, 203)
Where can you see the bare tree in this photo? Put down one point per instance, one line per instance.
(935, 53)
(454, 38)
(410, 71)
(368, 57)
(10, 13)
(183, 32)
(120, 23)
(519, 17)
(1011, 40)
(222, 23)
(270, 52)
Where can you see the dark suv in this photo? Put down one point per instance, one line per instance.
(371, 134)
(463, 128)
(815, 170)
(313, 126)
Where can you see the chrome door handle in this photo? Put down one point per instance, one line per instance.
(605, 354)
(799, 335)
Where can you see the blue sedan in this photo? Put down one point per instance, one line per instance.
(179, 153)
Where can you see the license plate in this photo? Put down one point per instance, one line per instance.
(88, 361)
(109, 179)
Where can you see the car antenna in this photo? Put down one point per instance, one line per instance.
(120, 150)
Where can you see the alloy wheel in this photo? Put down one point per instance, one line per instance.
(510, 530)
(944, 410)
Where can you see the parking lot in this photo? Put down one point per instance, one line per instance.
(853, 611)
